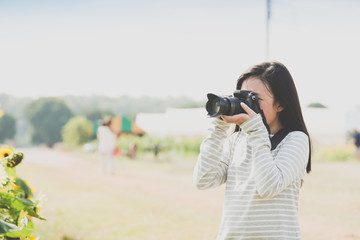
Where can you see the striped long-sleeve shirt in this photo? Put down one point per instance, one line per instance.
(262, 186)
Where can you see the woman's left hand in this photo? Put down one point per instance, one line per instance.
(238, 119)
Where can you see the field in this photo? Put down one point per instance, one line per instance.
(152, 199)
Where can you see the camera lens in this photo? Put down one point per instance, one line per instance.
(216, 105)
(230, 105)
(213, 105)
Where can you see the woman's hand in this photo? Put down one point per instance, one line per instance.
(238, 119)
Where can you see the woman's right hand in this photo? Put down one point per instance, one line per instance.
(239, 119)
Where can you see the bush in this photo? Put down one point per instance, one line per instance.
(77, 131)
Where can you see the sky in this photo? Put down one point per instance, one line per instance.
(177, 48)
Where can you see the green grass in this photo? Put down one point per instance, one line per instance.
(335, 153)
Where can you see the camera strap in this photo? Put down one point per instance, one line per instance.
(264, 120)
(274, 140)
(278, 137)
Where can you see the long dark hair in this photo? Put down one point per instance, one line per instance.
(278, 79)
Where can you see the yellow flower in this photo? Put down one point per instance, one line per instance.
(33, 238)
(14, 186)
(29, 238)
(5, 152)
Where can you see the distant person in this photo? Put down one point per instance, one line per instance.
(156, 150)
(132, 151)
(262, 181)
(356, 137)
(106, 145)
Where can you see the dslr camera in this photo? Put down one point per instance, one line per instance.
(230, 105)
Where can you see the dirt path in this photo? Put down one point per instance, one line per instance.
(147, 200)
(169, 184)
(162, 188)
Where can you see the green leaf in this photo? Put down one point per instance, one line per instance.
(6, 227)
(10, 171)
(22, 184)
(10, 202)
(13, 203)
(24, 230)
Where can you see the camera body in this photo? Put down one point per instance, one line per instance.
(230, 105)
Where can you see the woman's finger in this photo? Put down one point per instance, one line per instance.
(247, 109)
(237, 119)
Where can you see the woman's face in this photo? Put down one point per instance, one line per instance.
(266, 101)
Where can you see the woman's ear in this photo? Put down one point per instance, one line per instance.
(279, 108)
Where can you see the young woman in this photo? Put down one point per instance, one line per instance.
(262, 185)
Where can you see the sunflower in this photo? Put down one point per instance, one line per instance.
(5, 152)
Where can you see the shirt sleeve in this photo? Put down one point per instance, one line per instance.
(212, 164)
(273, 174)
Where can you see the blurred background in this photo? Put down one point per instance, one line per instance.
(148, 65)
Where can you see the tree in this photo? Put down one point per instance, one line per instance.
(78, 130)
(96, 114)
(47, 116)
(7, 127)
(316, 105)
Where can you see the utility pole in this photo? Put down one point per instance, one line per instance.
(268, 16)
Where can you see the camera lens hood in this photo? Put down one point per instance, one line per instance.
(217, 105)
